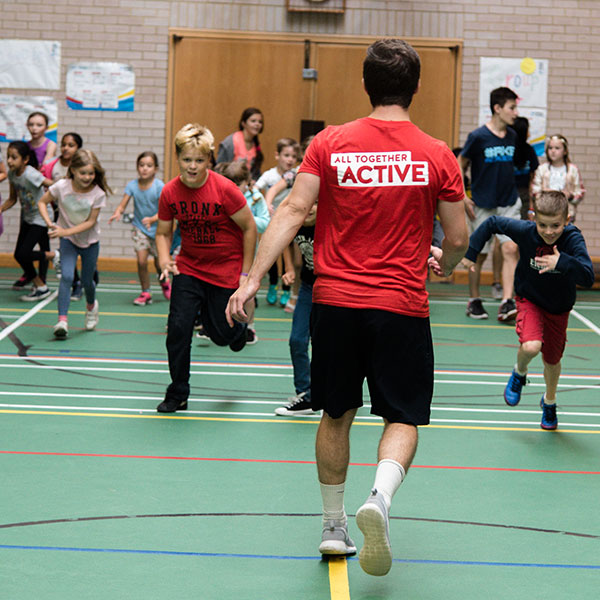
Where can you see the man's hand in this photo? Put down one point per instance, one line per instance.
(235, 306)
(548, 262)
(469, 208)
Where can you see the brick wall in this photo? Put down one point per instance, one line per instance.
(135, 32)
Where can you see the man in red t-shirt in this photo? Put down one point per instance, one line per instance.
(378, 181)
(218, 237)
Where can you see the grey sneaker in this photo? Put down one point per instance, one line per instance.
(497, 291)
(372, 518)
(335, 539)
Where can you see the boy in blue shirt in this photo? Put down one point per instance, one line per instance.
(553, 261)
(489, 150)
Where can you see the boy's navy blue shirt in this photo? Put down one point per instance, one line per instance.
(553, 291)
(492, 167)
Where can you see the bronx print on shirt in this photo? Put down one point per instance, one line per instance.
(379, 169)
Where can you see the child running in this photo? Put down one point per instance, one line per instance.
(57, 169)
(553, 261)
(79, 196)
(26, 185)
(239, 173)
(218, 237)
(559, 173)
(286, 157)
(145, 191)
(300, 404)
(44, 148)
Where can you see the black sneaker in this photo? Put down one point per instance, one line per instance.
(21, 283)
(297, 405)
(251, 337)
(35, 295)
(475, 309)
(169, 405)
(239, 343)
(507, 311)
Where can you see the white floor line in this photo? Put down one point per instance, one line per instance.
(8, 330)
(586, 321)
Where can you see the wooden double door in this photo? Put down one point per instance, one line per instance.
(215, 75)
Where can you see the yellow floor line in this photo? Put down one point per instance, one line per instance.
(338, 579)
(276, 421)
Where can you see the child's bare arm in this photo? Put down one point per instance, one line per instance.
(116, 216)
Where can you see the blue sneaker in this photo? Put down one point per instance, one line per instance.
(512, 391)
(285, 296)
(549, 418)
(272, 294)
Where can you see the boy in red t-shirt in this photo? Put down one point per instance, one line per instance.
(218, 237)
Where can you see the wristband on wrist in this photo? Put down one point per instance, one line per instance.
(244, 274)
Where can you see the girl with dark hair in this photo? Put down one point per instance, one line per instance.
(244, 143)
(27, 186)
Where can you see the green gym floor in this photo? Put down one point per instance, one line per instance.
(103, 498)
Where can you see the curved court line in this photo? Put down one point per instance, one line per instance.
(287, 515)
(290, 462)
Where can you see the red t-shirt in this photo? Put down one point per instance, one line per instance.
(211, 243)
(379, 186)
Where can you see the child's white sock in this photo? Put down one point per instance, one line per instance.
(549, 402)
(333, 501)
(519, 372)
(388, 478)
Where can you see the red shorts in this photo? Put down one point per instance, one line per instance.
(536, 324)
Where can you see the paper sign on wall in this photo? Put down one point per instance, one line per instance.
(30, 64)
(14, 111)
(528, 78)
(100, 86)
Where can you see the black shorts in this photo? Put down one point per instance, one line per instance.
(393, 352)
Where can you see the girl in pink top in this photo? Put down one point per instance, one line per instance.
(44, 148)
(79, 196)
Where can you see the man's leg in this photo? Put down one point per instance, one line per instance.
(397, 449)
(333, 455)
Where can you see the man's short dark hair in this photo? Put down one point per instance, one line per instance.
(391, 71)
(501, 96)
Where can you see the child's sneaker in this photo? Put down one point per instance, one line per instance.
(92, 317)
(285, 298)
(372, 518)
(201, 335)
(36, 294)
(251, 337)
(272, 294)
(549, 418)
(166, 289)
(61, 330)
(76, 291)
(297, 405)
(497, 291)
(512, 391)
(335, 539)
(56, 263)
(21, 283)
(475, 309)
(143, 299)
(507, 311)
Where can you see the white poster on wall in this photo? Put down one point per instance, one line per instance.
(100, 86)
(528, 78)
(30, 64)
(14, 111)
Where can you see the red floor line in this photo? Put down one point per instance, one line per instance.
(297, 462)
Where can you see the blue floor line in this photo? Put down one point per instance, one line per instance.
(467, 563)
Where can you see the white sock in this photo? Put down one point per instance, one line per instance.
(388, 478)
(519, 372)
(333, 501)
(549, 402)
(42, 288)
